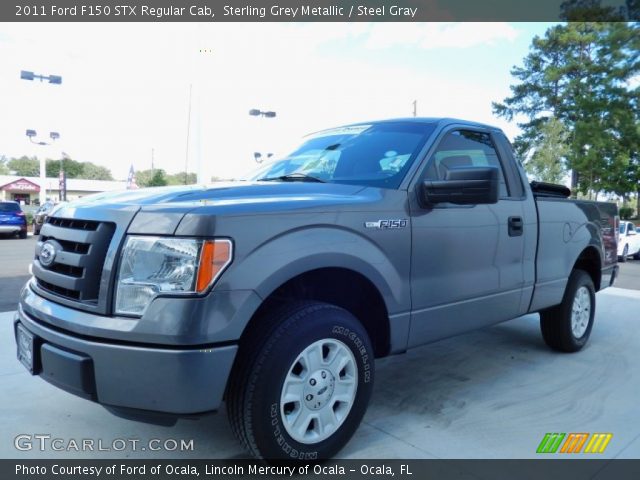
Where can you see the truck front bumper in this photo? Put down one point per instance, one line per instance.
(168, 379)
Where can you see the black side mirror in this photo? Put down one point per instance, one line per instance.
(463, 186)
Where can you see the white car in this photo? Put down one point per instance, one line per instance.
(629, 242)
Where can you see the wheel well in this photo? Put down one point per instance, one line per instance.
(342, 287)
(589, 261)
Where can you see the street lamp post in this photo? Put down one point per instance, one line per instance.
(31, 134)
(254, 112)
(54, 79)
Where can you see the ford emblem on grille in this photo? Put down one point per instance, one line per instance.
(47, 254)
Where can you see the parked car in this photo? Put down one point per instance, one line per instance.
(629, 242)
(12, 219)
(276, 293)
(41, 216)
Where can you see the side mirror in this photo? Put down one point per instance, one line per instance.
(463, 186)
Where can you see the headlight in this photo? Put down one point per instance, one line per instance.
(151, 266)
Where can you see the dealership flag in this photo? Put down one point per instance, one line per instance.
(131, 179)
(62, 187)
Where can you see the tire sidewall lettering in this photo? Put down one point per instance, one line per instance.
(359, 349)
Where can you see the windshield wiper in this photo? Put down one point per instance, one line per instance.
(293, 177)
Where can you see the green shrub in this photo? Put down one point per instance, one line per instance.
(626, 212)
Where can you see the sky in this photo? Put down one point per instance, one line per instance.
(179, 92)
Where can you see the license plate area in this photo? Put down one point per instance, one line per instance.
(25, 341)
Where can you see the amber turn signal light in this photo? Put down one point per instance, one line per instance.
(215, 256)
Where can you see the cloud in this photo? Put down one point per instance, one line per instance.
(439, 35)
(126, 91)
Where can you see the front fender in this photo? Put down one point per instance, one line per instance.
(291, 253)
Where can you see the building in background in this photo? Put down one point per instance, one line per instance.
(26, 190)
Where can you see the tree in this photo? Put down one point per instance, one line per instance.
(579, 73)
(24, 166)
(143, 177)
(72, 168)
(547, 163)
(4, 170)
(182, 178)
(158, 179)
(92, 171)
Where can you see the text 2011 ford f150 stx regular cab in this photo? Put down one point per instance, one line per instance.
(276, 293)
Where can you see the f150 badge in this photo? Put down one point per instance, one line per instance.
(387, 224)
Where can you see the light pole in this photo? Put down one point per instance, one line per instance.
(31, 134)
(54, 80)
(254, 112)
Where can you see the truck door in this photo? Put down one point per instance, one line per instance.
(467, 260)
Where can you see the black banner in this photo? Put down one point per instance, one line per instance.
(548, 469)
(312, 10)
(62, 187)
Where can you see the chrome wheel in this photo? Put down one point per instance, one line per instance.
(319, 391)
(580, 312)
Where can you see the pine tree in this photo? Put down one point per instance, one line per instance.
(580, 74)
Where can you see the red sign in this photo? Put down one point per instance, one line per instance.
(21, 185)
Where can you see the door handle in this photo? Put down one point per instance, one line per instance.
(516, 226)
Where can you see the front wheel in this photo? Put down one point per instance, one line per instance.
(566, 327)
(302, 383)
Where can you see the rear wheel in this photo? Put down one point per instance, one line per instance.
(22, 234)
(302, 383)
(625, 254)
(566, 327)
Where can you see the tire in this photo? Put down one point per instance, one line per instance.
(625, 254)
(22, 235)
(295, 346)
(563, 328)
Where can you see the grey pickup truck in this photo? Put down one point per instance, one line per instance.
(275, 294)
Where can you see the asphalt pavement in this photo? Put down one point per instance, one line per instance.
(15, 256)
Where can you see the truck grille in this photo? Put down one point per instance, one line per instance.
(80, 249)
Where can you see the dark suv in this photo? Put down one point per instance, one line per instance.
(41, 216)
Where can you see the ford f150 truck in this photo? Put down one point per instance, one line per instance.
(275, 294)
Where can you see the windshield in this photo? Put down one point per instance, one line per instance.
(372, 155)
(9, 207)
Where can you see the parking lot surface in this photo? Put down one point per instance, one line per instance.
(15, 256)
(493, 393)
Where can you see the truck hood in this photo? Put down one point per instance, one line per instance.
(160, 210)
(236, 196)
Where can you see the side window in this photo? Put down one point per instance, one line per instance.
(465, 148)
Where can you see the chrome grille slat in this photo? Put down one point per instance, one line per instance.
(68, 234)
(67, 258)
(54, 278)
